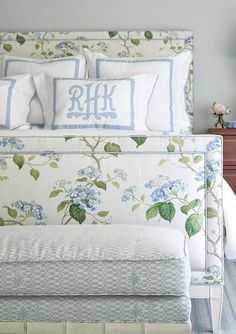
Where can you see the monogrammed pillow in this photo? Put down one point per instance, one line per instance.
(101, 103)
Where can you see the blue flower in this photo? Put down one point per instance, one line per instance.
(214, 144)
(189, 41)
(214, 166)
(66, 44)
(82, 38)
(84, 197)
(128, 193)
(34, 209)
(51, 155)
(200, 175)
(90, 172)
(121, 174)
(162, 193)
(102, 45)
(12, 142)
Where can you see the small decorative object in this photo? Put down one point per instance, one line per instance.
(230, 124)
(219, 110)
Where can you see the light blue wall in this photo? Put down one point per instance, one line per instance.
(213, 23)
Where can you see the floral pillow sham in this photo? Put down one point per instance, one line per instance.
(119, 104)
(69, 67)
(16, 93)
(167, 108)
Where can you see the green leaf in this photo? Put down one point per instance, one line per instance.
(197, 158)
(7, 47)
(209, 277)
(82, 179)
(4, 178)
(36, 46)
(152, 211)
(166, 210)
(19, 160)
(102, 213)
(101, 184)
(139, 140)
(55, 193)
(112, 33)
(178, 140)
(112, 148)
(143, 197)
(136, 206)
(184, 160)
(1, 221)
(12, 212)
(148, 35)
(166, 40)
(115, 184)
(53, 164)
(161, 162)
(20, 39)
(170, 148)
(193, 224)
(186, 208)
(35, 173)
(68, 138)
(211, 212)
(77, 213)
(135, 41)
(201, 187)
(31, 157)
(62, 205)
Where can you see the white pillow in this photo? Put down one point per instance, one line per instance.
(119, 104)
(69, 67)
(15, 96)
(167, 109)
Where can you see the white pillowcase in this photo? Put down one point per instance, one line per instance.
(15, 95)
(167, 108)
(119, 104)
(69, 67)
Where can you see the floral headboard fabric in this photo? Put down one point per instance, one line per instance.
(113, 43)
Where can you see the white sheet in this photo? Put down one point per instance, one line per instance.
(229, 204)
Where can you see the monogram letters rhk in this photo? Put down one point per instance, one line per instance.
(93, 99)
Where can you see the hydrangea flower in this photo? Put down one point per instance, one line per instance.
(51, 155)
(214, 144)
(162, 193)
(200, 175)
(12, 142)
(128, 193)
(61, 183)
(156, 182)
(84, 197)
(214, 166)
(102, 45)
(121, 174)
(36, 210)
(66, 44)
(89, 172)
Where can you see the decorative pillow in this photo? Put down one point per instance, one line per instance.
(102, 103)
(15, 96)
(167, 108)
(69, 67)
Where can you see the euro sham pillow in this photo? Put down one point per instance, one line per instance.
(16, 93)
(119, 104)
(69, 67)
(167, 108)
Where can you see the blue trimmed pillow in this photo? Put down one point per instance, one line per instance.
(15, 96)
(69, 67)
(119, 104)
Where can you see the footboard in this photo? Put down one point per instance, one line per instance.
(170, 181)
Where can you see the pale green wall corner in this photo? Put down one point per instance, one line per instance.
(213, 23)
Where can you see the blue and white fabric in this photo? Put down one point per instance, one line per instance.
(93, 260)
(167, 108)
(15, 95)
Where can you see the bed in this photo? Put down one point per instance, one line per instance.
(169, 179)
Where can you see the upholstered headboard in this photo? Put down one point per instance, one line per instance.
(113, 43)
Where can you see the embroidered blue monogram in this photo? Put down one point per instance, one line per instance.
(94, 99)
